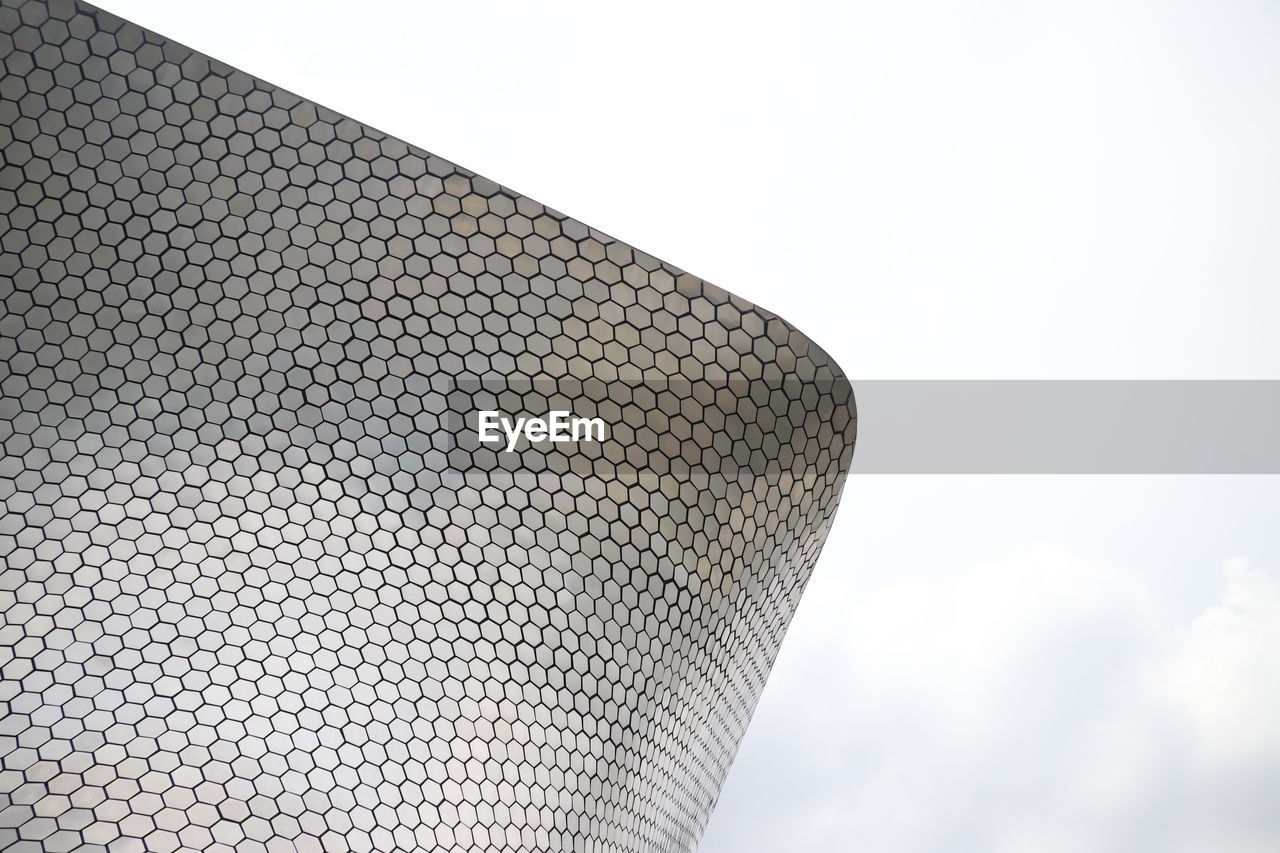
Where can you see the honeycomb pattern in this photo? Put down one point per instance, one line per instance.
(255, 594)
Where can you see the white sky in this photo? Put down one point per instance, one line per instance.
(1026, 664)
(990, 189)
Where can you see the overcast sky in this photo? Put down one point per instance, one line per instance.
(1026, 664)
(990, 189)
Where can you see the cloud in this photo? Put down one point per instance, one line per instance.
(1045, 702)
(1226, 674)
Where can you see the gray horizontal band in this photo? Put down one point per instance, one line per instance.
(1068, 427)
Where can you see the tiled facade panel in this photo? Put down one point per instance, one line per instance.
(254, 594)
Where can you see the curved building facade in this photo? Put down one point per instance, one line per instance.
(264, 586)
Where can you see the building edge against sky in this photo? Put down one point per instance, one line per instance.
(256, 595)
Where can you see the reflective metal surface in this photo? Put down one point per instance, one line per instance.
(256, 594)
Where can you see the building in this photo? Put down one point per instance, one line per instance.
(260, 589)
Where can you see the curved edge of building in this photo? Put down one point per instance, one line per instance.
(258, 592)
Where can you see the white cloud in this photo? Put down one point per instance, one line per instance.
(1044, 702)
(1226, 675)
